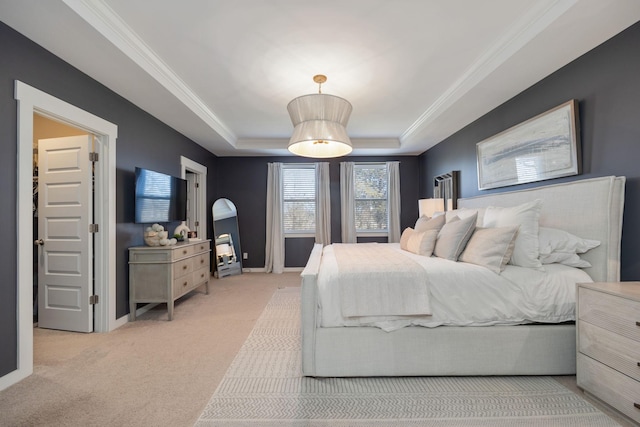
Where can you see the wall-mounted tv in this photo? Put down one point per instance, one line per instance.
(159, 197)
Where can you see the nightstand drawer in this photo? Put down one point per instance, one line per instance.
(607, 384)
(621, 353)
(616, 314)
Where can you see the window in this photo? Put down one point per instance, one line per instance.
(371, 198)
(299, 199)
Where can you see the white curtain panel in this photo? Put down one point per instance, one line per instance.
(393, 200)
(347, 201)
(323, 204)
(274, 247)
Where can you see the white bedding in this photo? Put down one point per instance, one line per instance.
(463, 294)
(377, 280)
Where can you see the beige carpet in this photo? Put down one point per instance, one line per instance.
(147, 373)
(264, 387)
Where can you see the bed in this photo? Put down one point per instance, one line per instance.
(590, 208)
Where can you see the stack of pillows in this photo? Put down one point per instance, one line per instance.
(494, 236)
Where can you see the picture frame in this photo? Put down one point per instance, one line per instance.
(544, 147)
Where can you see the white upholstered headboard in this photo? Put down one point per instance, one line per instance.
(589, 208)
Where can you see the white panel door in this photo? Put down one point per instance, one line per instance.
(65, 273)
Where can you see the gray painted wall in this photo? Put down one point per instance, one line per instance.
(243, 180)
(142, 141)
(606, 83)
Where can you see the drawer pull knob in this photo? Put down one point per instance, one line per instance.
(184, 284)
(184, 252)
(637, 323)
(201, 261)
(202, 275)
(637, 405)
(184, 267)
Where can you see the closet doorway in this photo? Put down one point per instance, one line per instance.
(63, 204)
(29, 101)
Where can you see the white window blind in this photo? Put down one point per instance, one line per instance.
(371, 198)
(299, 199)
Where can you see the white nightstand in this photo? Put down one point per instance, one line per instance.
(608, 346)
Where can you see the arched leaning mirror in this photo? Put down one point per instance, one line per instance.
(228, 256)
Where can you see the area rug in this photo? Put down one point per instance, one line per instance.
(264, 387)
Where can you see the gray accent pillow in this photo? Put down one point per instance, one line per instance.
(490, 247)
(425, 223)
(453, 237)
(422, 243)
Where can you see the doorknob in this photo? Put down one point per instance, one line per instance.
(39, 242)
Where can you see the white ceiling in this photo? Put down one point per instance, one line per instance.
(222, 72)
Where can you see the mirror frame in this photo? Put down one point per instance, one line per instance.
(231, 229)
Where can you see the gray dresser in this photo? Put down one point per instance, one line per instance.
(162, 274)
(608, 329)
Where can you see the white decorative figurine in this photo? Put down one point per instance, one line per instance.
(157, 236)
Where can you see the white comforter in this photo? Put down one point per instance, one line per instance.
(376, 280)
(463, 294)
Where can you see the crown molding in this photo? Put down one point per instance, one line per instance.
(518, 35)
(109, 24)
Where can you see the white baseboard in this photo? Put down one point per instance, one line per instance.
(263, 270)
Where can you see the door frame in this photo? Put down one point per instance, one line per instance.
(29, 101)
(201, 170)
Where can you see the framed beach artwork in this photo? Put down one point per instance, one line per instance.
(544, 147)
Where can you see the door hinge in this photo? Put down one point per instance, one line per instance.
(197, 185)
(93, 156)
(197, 223)
(93, 299)
(93, 228)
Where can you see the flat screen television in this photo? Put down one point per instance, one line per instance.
(159, 197)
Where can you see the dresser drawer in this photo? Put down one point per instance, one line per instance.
(607, 384)
(201, 247)
(616, 314)
(182, 285)
(182, 268)
(200, 276)
(182, 251)
(201, 261)
(616, 351)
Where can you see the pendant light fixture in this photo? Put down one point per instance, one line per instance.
(319, 124)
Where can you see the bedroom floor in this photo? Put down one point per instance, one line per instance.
(151, 372)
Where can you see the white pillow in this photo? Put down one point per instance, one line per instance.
(454, 236)
(555, 240)
(466, 213)
(422, 243)
(566, 258)
(527, 216)
(490, 247)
